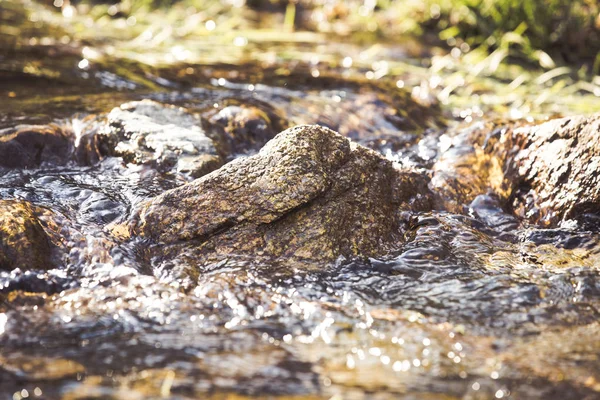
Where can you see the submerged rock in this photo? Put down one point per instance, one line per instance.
(310, 195)
(28, 146)
(147, 132)
(23, 241)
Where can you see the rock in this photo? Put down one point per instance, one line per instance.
(168, 137)
(28, 146)
(23, 242)
(309, 196)
(557, 170)
(247, 127)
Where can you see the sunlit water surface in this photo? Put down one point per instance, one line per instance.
(475, 306)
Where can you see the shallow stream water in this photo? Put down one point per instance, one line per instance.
(477, 305)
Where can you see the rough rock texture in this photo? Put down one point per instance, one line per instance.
(543, 173)
(557, 169)
(23, 242)
(147, 132)
(28, 146)
(247, 127)
(310, 195)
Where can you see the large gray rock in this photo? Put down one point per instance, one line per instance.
(168, 137)
(310, 195)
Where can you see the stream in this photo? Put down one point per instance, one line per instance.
(479, 304)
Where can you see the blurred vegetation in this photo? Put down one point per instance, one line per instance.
(516, 57)
(569, 30)
(566, 30)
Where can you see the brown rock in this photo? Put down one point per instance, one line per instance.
(91, 145)
(29, 146)
(557, 169)
(246, 127)
(168, 137)
(310, 195)
(544, 173)
(473, 162)
(23, 242)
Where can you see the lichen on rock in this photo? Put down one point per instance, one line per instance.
(310, 195)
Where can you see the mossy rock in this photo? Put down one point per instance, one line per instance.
(309, 196)
(23, 241)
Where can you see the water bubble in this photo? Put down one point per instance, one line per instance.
(68, 11)
(210, 25)
(83, 64)
(240, 41)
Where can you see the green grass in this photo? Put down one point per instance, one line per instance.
(568, 30)
(507, 57)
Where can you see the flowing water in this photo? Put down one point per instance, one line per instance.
(477, 305)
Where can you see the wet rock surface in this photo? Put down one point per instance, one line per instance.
(544, 173)
(558, 170)
(29, 146)
(460, 289)
(309, 195)
(168, 137)
(23, 242)
(247, 128)
(470, 164)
